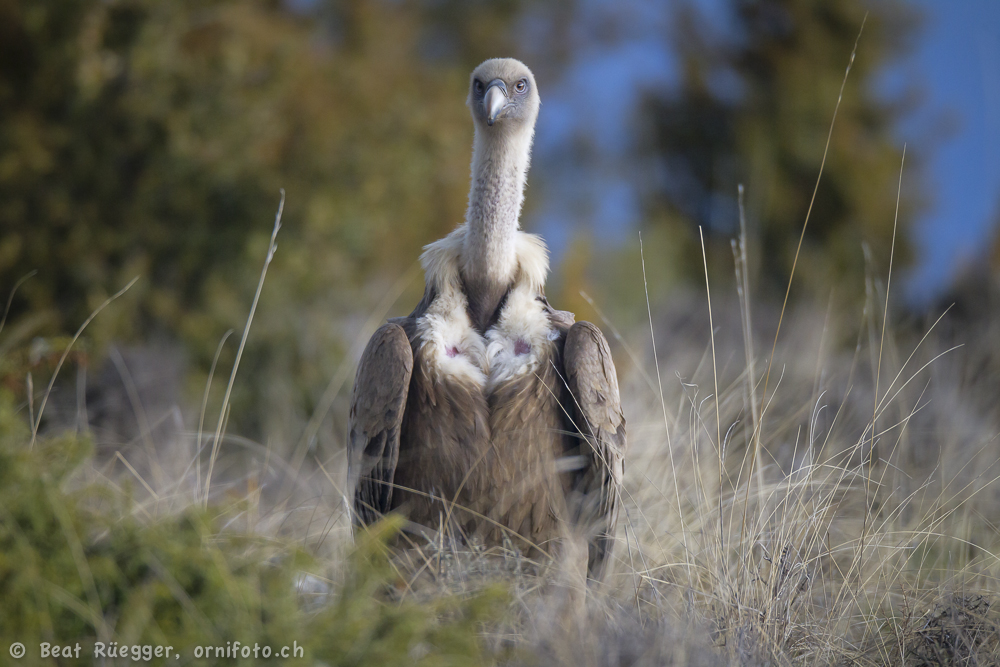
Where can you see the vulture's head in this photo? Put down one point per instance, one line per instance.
(503, 97)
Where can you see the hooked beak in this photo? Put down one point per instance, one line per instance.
(495, 100)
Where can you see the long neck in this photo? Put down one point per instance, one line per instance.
(499, 170)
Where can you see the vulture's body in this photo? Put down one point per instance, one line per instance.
(485, 407)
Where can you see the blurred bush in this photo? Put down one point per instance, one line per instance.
(759, 86)
(153, 137)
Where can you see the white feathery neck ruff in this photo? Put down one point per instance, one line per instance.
(442, 261)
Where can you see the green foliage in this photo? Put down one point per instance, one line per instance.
(754, 107)
(371, 632)
(77, 564)
(150, 136)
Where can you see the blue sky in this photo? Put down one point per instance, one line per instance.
(955, 62)
(958, 62)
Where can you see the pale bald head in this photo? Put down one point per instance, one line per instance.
(503, 96)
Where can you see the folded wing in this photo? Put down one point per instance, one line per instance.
(377, 406)
(595, 413)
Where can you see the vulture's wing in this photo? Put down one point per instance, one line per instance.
(597, 418)
(377, 406)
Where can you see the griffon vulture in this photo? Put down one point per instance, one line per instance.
(486, 407)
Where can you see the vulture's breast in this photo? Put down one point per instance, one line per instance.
(484, 421)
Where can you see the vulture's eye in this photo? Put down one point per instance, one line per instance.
(521, 86)
(478, 86)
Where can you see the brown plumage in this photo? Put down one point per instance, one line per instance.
(485, 407)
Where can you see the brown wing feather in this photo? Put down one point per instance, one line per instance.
(597, 417)
(377, 405)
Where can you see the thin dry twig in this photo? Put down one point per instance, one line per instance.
(224, 410)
